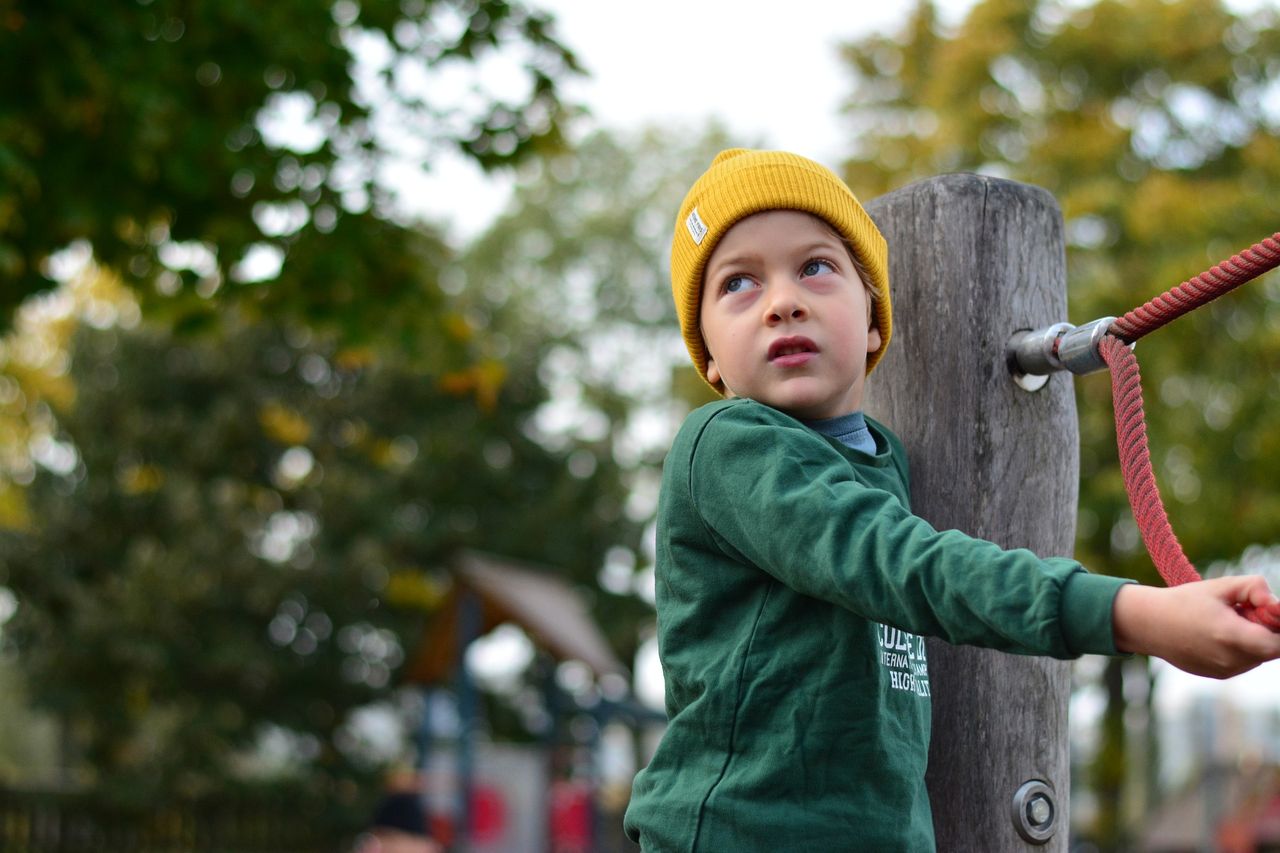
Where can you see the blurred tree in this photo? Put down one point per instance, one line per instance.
(574, 274)
(199, 147)
(575, 270)
(33, 375)
(33, 381)
(237, 542)
(223, 538)
(28, 739)
(579, 260)
(1154, 124)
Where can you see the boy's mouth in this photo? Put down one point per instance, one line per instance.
(792, 351)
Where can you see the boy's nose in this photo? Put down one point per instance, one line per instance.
(785, 303)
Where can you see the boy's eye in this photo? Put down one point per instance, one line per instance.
(816, 268)
(738, 284)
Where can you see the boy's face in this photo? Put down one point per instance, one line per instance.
(786, 316)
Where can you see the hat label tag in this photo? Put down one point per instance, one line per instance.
(697, 228)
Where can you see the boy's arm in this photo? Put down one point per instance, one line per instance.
(1196, 626)
(774, 495)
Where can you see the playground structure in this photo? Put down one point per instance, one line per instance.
(979, 273)
(497, 797)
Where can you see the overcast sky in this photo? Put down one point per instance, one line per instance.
(770, 72)
(766, 69)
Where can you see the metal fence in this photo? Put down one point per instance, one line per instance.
(51, 822)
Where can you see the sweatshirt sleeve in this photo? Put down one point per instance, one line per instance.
(781, 498)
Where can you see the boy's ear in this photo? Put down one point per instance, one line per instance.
(713, 373)
(874, 340)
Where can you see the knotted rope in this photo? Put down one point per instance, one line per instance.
(1131, 427)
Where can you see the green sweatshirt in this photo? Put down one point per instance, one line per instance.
(793, 588)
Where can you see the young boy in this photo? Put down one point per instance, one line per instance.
(793, 582)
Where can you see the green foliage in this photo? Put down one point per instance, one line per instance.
(157, 133)
(28, 740)
(242, 513)
(241, 539)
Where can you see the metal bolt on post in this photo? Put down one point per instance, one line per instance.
(1035, 816)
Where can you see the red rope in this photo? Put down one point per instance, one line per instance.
(1201, 290)
(1140, 480)
(1135, 462)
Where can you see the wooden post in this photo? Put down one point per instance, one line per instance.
(972, 260)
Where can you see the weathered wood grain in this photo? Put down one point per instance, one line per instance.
(972, 260)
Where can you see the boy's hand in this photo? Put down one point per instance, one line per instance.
(1196, 626)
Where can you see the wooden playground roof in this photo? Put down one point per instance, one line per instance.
(547, 608)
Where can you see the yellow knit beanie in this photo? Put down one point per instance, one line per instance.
(741, 182)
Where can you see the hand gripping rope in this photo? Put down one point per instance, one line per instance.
(1108, 343)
